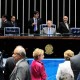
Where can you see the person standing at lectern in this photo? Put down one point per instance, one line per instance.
(64, 26)
(34, 23)
(13, 22)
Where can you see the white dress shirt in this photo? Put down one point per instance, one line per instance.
(49, 31)
(67, 25)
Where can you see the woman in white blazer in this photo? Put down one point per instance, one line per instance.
(64, 71)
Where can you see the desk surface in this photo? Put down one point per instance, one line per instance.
(40, 37)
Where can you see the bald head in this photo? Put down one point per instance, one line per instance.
(65, 19)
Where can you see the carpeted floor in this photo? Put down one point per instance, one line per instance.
(51, 66)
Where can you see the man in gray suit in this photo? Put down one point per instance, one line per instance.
(49, 30)
(75, 65)
(21, 70)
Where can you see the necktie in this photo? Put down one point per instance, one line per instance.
(14, 24)
(49, 32)
(35, 26)
(67, 25)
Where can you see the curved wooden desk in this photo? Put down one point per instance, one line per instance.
(60, 44)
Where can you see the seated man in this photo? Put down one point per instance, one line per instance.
(49, 30)
(13, 22)
(64, 26)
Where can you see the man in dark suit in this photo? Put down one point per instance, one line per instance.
(21, 70)
(13, 22)
(5, 22)
(9, 66)
(75, 65)
(34, 23)
(64, 26)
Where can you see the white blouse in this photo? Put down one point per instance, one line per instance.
(64, 71)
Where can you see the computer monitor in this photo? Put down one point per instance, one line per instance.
(75, 31)
(11, 31)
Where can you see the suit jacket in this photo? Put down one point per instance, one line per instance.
(75, 65)
(78, 78)
(9, 66)
(37, 70)
(62, 28)
(39, 21)
(45, 30)
(64, 71)
(13, 24)
(5, 24)
(21, 71)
